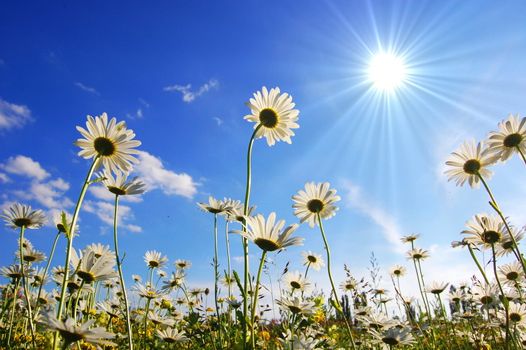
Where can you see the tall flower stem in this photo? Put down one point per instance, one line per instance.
(13, 309)
(70, 234)
(216, 277)
(504, 299)
(255, 300)
(423, 285)
(229, 268)
(495, 207)
(474, 257)
(421, 289)
(121, 277)
(48, 264)
(24, 285)
(245, 240)
(522, 154)
(336, 299)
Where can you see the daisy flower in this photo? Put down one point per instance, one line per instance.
(484, 230)
(119, 186)
(90, 268)
(348, 285)
(182, 264)
(31, 255)
(516, 314)
(296, 305)
(313, 260)
(316, 199)
(154, 259)
(469, 163)
(268, 234)
(18, 215)
(436, 287)
(511, 137)
(275, 113)
(397, 271)
(410, 238)
(506, 245)
(417, 254)
(112, 142)
(71, 332)
(511, 274)
(57, 220)
(171, 335)
(296, 282)
(215, 206)
(395, 336)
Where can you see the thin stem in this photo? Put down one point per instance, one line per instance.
(473, 256)
(229, 269)
(522, 154)
(121, 276)
(53, 247)
(216, 277)
(255, 300)
(24, 286)
(337, 301)
(504, 299)
(146, 320)
(13, 309)
(245, 241)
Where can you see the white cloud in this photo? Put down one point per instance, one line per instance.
(104, 211)
(86, 88)
(188, 94)
(218, 120)
(4, 178)
(144, 102)
(137, 115)
(13, 115)
(152, 171)
(356, 200)
(22, 165)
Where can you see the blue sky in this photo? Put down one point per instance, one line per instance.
(179, 73)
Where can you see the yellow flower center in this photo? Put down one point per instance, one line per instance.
(104, 146)
(87, 277)
(491, 237)
(266, 244)
(269, 118)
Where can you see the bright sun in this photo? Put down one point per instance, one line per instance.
(386, 71)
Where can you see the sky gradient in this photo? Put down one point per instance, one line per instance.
(179, 74)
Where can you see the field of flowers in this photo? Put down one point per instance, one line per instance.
(84, 302)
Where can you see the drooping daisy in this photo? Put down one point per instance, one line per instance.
(511, 137)
(71, 332)
(436, 287)
(296, 305)
(99, 250)
(18, 215)
(469, 163)
(313, 260)
(275, 113)
(137, 278)
(57, 220)
(484, 230)
(172, 335)
(215, 206)
(119, 185)
(397, 271)
(316, 199)
(395, 336)
(296, 282)
(154, 259)
(268, 234)
(410, 238)
(112, 142)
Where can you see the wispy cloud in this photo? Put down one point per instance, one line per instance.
(186, 90)
(25, 166)
(137, 115)
(355, 199)
(104, 211)
(13, 116)
(153, 172)
(143, 102)
(218, 120)
(86, 88)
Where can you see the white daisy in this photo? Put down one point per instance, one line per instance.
(154, 259)
(18, 215)
(469, 163)
(313, 260)
(275, 113)
(510, 138)
(268, 235)
(316, 199)
(119, 186)
(112, 142)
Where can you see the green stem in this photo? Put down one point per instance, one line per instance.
(472, 253)
(216, 277)
(255, 300)
(121, 276)
(53, 247)
(70, 236)
(229, 269)
(13, 309)
(146, 321)
(337, 301)
(245, 240)
(495, 207)
(522, 154)
(79, 292)
(24, 285)
(504, 299)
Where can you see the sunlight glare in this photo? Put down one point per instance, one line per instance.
(387, 71)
